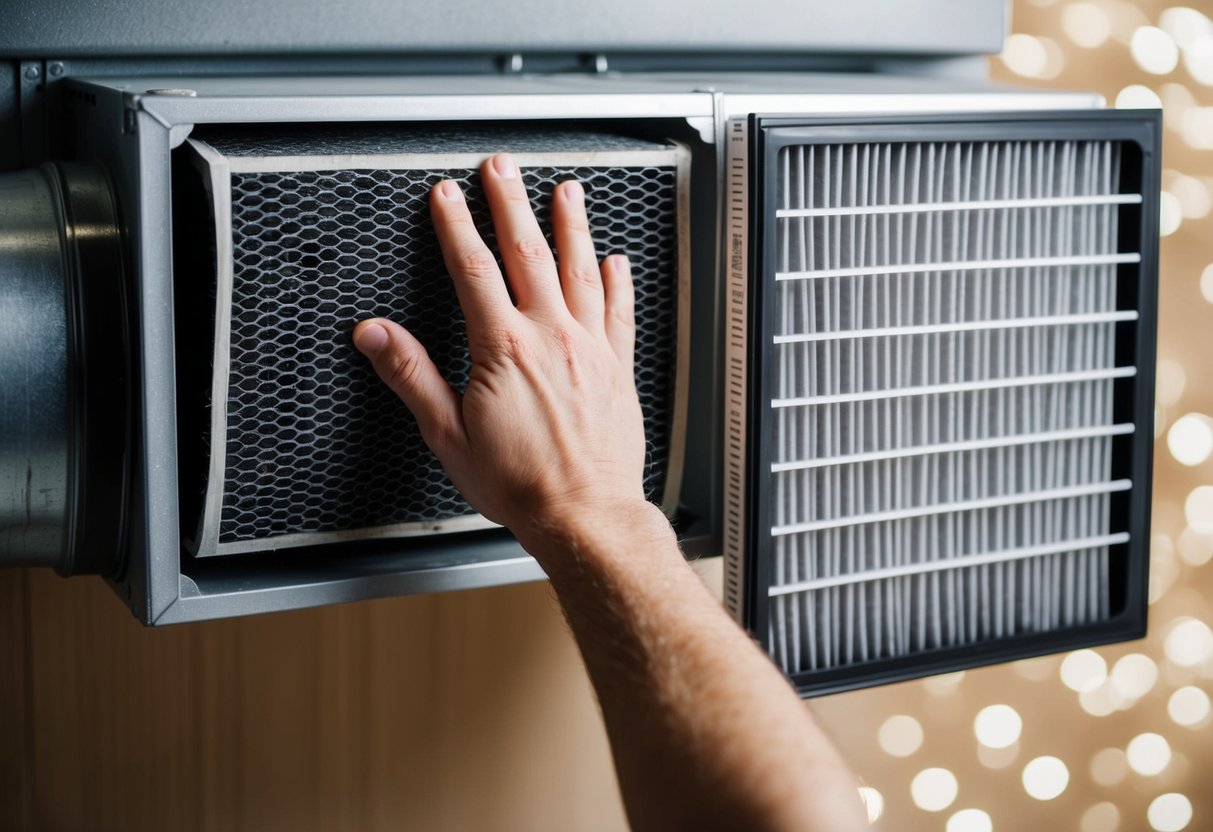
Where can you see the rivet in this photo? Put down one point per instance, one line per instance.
(55, 69)
(32, 73)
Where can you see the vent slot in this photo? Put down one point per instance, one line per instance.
(939, 392)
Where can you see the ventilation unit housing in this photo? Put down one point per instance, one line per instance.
(895, 365)
(940, 388)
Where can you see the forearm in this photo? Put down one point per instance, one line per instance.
(705, 731)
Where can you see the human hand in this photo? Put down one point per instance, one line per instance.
(549, 429)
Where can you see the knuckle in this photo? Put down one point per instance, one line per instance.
(507, 344)
(477, 264)
(565, 342)
(403, 369)
(532, 250)
(585, 277)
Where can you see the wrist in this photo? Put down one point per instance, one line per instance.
(592, 537)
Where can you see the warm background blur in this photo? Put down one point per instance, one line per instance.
(1118, 738)
(471, 710)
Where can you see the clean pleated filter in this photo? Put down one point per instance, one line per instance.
(939, 397)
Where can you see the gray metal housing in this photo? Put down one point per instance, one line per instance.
(133, 132)
(80, 28)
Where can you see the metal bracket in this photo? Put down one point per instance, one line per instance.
(32, 106)
(705, 126)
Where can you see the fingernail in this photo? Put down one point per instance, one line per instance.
(572, 190)
(370, 339)
(620, 263)
(503, 163)
(449, 190)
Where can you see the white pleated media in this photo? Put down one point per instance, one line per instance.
(944, 359)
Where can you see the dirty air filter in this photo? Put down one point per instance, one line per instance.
(316, 229)
(942, 433)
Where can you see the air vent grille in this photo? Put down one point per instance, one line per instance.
(943, 337)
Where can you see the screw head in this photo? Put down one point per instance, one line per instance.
(32, 73)
(55, 69)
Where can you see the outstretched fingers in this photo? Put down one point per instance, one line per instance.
(405, 366)
(620, 301)
(478, 282)
(580, 274)
(524, 250)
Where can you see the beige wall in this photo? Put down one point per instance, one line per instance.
(461, 711)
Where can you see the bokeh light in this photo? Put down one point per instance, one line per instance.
(1154, 50)
(970, 820)
(1170, 812)
(1193, 195)
(1134, 675)
(900, 735)
(1198, 508)
(1137, 97)
(1190, 439)
(1083, 670)
(934, 789)
(997, 726)
(1044, 778)
(1102, 701)
(1189, 642)
(1186, 26)
(1206, 282)
(1102, 817)
(1148, 754)
(1169, 383)
(1109, 766)
(1170, 214)
(1195, 548)
(1086, 24)
(1032, 57)
(1189, 706)
(943, 684)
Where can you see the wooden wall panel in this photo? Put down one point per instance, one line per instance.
(461, 711)
(14, 706)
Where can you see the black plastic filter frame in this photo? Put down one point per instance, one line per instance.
(1139, 132)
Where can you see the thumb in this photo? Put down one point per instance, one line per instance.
(405, 367)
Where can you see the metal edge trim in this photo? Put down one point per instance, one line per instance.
(195, 605)
(445, 161)
(464, 523)
(207, 541)
(818, 104)
(736, 370)
(676, 459)
(349, 107)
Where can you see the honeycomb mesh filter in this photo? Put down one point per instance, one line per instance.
(314, 442)
(944, 336)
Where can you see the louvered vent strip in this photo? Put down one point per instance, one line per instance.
(944, 356)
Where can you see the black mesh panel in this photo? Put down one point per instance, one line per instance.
(315, 442)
